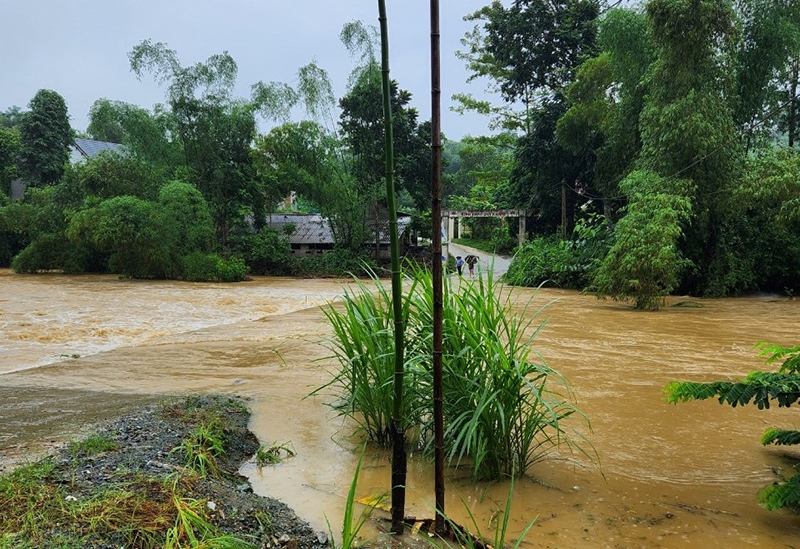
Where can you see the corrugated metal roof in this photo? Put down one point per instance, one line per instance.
(89, 148)
(309, 228)
(312, 229)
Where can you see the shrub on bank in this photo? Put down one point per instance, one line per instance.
(543, 261)
(200, 267)
(337, 263)
(51, 252)
(266, 253)
(570, 263)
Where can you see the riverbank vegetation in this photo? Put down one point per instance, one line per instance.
(678, 129)
(504, 408)
(159, 478)
(188, 193)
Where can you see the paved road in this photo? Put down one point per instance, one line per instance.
(498, 264)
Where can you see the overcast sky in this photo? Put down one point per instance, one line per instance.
(79, 48)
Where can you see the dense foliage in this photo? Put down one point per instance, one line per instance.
(570, 263)
(44, 138)
(673, 125)
(186, 196)
(675, 121)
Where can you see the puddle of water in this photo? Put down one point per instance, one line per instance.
(668, 476)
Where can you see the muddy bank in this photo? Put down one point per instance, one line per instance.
(121, 485)
(37, 421)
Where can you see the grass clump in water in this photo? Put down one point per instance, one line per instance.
(505, 409)
(273, 454)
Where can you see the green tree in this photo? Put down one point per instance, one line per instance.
(606, 99)
(148, 136)
(217, 143)
(189, 226)
(644, 264)
(132, 231)
(215, 129)
(45, 138)
(483, 162)
(482, 181)
(11, 118)
(766, 67)
(687, 125)
(9, 151)
(106, 120)
(108, 175)
(296, 156)
(547, 177)
(361, 124)
(530, 52)
(527, 51)
(761, 389)
(760, 227)
(362, 131)
(305, 158)
(42, 220)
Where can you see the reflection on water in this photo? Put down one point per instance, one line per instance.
(668, 476)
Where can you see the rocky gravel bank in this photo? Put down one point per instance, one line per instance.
(151, 449)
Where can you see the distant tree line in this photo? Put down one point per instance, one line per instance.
(189, 195)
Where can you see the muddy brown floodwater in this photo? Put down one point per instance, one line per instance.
(76, 350)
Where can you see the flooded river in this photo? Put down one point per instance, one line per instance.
(76, 350)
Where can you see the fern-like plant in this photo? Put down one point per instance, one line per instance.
(762, 389)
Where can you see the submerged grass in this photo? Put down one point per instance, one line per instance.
(273, 454)
(352, 523)
(459, 537)
(363, 345)
(505, 409)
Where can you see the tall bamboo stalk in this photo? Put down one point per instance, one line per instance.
(436, 217)
(399, 442)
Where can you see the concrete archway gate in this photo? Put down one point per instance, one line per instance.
(451, 220)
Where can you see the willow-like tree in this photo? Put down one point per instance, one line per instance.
(216, 129)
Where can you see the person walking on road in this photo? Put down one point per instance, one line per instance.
(471, 261)
(459, 264)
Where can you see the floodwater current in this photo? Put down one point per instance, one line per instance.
(78, 350)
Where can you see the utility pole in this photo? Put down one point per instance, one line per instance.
(436, 218)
